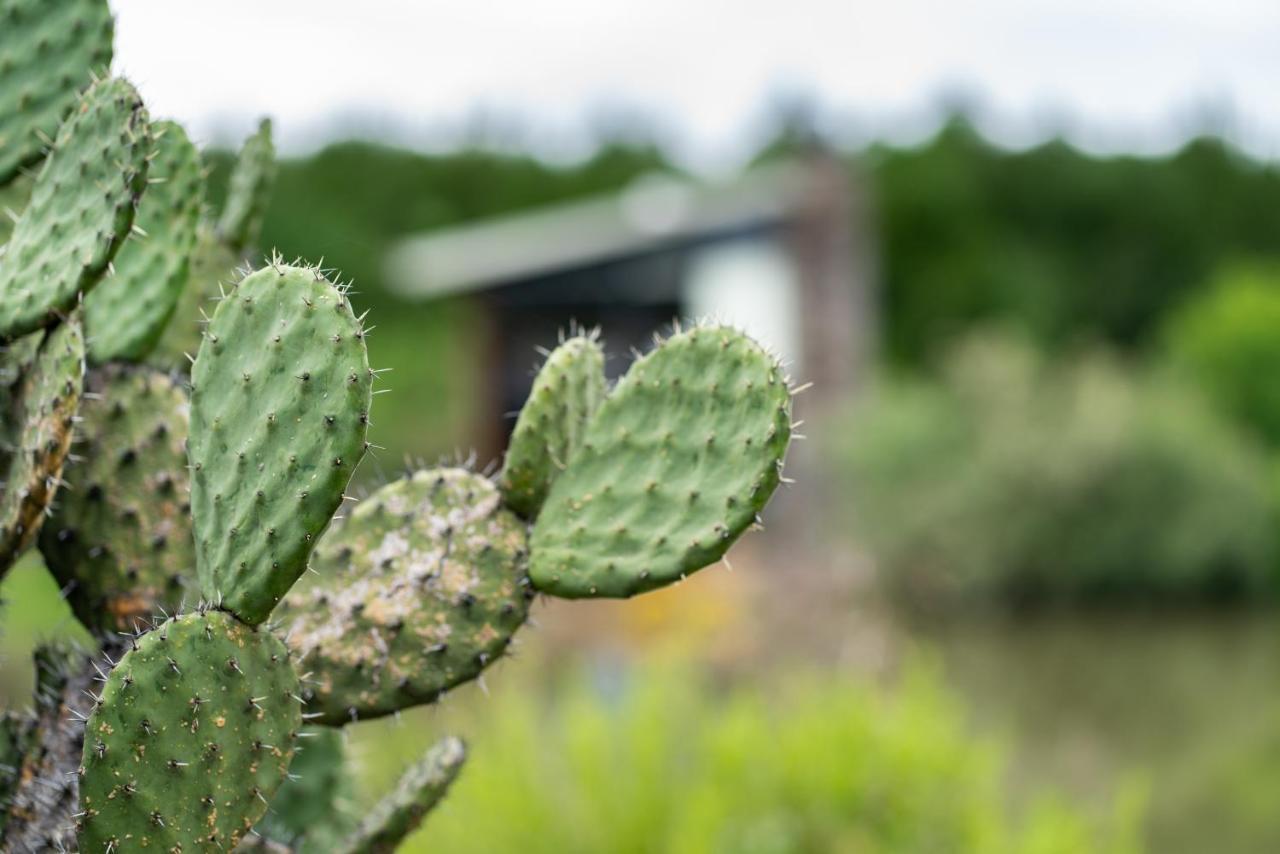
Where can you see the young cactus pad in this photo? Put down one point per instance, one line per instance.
(40, 386)
(126, 313)
(194, 732)
(279, 411)
(565, 395)
(676, 464)
(120, 541)
(418, 590)
(48, 50)
(211, 267)
(249, 191)
(81, 209)
(419, 790)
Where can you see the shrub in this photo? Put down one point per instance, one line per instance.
(1024, 481)
(658, 760)
(1227, 341)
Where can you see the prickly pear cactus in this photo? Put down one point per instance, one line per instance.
(565, 395)
(125, 314)
(12, 749)
(675, 465)
(40, 386)
(41, 809)
(48, 51)
(249, 191)
(315, 809)
(417, 591)
(211, 270)
(119, 541)
(13, 201)
(193, 734)
(81, 209)
(418, 791)
(219, 249)
(279, 411)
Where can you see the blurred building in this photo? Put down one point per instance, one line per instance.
(782, 251)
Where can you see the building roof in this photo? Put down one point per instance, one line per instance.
(652, 214)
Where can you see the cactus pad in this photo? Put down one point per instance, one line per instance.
(249, 191)
(676, 464)
(48, 51)
(212, 265)
(40, 385)
(120, 536)
(13, 200)
(316, 808)
(81, 209)
(418, 590)
(279, 411)
(194, 733)
(564, 396)
(419, 790)
(126, 313)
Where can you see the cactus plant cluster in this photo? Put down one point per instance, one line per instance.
(178, 510)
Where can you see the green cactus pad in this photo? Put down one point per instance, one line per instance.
(81, 209)
(193, 735)
(402, 812)
(315, 809)
(48, 51)
(249, 191)
(126, 313)
(564, 396)
(119, 539)
(673, 468)
(13, 201)
(40, 385)
(417, 591)
(279, 412)
(211, 269)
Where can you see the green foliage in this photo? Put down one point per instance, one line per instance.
(40, 386)
(1226, 340)
(1028, 482)
(81, 209)
(423, 584)
(125, 315)
(1065, 244)
(657, 759)
(565, 395)
(675, 465)
(48, 49)
(194, 733)
(120, 541)
(279, 410)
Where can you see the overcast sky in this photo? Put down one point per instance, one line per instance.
(1114, 74)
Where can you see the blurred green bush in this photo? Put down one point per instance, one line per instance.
(1227, 339)
(1018, 480)
(1066, 244)
(657, 759)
